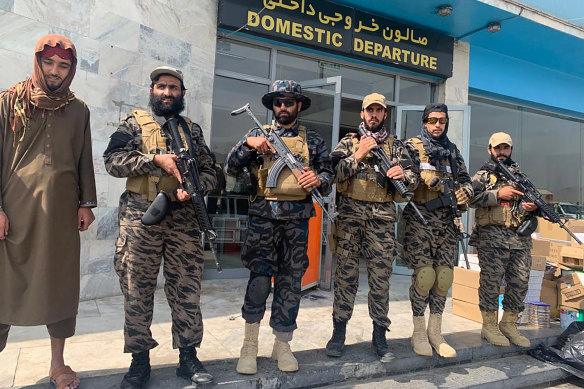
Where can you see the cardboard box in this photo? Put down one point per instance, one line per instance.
(540, 247)
(538, 262)
(577, 304)
(467, 310)
(571, 279)
(549, 294)
(548, 248)
(465, 293)
(572, 290)
(550, 230)
(572, 255)
(473, 266)
(466, 277)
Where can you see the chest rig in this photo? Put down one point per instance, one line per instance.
(287, 188)
(428, 173)
(505, 213)
(363, 184)
(154, 143)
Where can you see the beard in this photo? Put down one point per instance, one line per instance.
(376, 128)
(164, 109)
(286, 119)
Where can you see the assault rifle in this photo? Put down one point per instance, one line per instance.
(191, 183)
(383, 165)
(532, 195)
(448, 199)
(284, 158)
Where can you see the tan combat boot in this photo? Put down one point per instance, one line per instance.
(420, 338)
(248, 363)
(490, 330)
(509, 329)
(436, 339)
(284, 356)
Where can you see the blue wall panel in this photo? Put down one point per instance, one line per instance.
(499, 74)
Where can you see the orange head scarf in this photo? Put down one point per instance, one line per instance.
(33, 93)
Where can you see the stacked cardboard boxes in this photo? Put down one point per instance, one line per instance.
(465, 294)
(572, 290)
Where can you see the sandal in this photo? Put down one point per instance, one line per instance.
(63, 377)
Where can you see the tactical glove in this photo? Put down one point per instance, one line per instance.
(463, 195)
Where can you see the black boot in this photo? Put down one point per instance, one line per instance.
(191, 368)
(379, 342)
(139, 372)
(334, 347)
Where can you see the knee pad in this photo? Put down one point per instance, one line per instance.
(424, 279)
(258, 288)
(444, 277)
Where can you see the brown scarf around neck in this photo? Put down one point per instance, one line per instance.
(33, 93)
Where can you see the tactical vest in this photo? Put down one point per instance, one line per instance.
(506, 213)
(428, 172)
(153, 143)
(287, 188)
(363, 184)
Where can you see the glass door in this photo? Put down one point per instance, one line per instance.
(408, 125)
(323, 117)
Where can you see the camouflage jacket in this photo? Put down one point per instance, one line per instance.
(345, 166)
(242, 156)
(124, 157)
(486, 183)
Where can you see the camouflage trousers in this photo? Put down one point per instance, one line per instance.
(499, 262)
(276, 248)
(372, 240)
(433, 245)
(139, 253)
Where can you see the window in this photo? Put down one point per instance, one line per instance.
(547, 147)
(415, 92)
(242, 58)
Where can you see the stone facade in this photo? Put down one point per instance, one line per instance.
(118, 43)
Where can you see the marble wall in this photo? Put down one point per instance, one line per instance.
(118, 43)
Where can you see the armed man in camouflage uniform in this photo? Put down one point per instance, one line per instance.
(277, 239)
(365, 224)
(502, 251)
(432, 250)
(139, 151)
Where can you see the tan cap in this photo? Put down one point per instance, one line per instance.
(166, 70)
(500, 137)
(374, 98)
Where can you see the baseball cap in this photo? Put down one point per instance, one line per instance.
(166, 70)
(374, 98)
(500, 137)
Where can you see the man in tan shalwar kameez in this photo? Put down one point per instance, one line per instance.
(47, 187)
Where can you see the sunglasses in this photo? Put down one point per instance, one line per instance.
(287, 103)
(437, 120)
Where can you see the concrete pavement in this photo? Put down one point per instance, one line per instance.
(96, 351)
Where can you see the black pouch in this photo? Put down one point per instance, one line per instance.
(440, 202)
(528, 226)
(157, 210)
